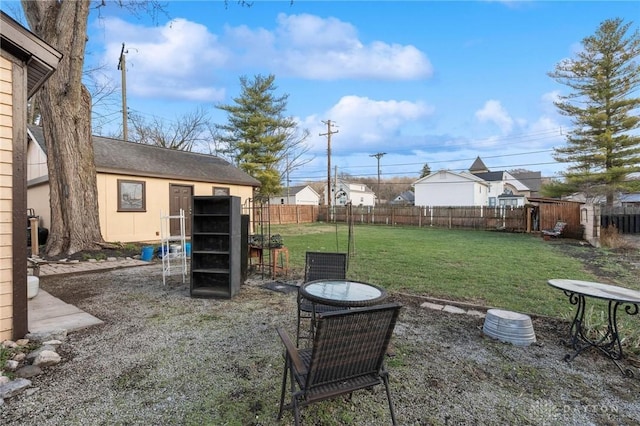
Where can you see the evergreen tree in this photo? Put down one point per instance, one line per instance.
(426, 170)
(603, 148)
(257, 133)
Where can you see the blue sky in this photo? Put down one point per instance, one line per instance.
(422, 81)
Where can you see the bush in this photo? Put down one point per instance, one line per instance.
(611, 238)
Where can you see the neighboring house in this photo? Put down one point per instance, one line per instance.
(358, 194)
(297, 195)
(138, 183)
(504, 189)
(26, 62)
(478, 187)
(620, 199)
(630, 200)
(407, 198)
(447, 188)
(532, 180)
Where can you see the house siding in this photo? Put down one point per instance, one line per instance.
(145, 226)
(356, 193)
(36, 162)
(307, 197)
(303, 197)
(444, 188)
(6, 195)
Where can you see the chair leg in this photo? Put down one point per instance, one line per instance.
(298, 330)
(385, 380)
(296, 411)
(284, 385)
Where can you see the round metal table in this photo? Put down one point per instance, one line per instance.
(617, 297)
(342, 293)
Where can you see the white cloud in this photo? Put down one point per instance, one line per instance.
(181, 59)
(365, 124)
(176, 60)
(311, 47)
(494, 112)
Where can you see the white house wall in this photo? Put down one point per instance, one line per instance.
(36, 162)
(446, 193)
(307, 197)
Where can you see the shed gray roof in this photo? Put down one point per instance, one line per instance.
(130, 158)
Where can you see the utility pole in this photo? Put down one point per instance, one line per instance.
(378, 156)
(122, 66)
(328, 135)
(287, 177)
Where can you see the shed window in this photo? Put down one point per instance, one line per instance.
(131, 196)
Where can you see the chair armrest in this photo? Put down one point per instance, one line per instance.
(292, 351)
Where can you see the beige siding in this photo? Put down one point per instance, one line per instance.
(145, 226)
(38, 200)
(127, 227)
(6, 167)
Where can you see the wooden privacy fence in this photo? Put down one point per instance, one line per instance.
(625, 219)
(514, 219)
(568, 212)
(281, 214)
(473, 217)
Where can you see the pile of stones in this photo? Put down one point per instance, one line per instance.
(26, 359)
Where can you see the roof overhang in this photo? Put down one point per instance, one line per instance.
(41, 59)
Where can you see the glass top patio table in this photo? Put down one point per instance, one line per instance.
(344, 293)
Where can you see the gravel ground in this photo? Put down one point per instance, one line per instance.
(163, 358)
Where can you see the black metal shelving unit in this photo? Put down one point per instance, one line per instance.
(216, 247)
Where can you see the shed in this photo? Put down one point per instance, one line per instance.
(138, 182)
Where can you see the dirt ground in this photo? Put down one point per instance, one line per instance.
(162, 357)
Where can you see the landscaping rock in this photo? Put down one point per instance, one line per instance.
(28, 371)
(13, 388)
(47, 358)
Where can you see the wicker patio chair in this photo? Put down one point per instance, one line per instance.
(348, 354)
(319, 265)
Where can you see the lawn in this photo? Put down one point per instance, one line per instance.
(493, 269)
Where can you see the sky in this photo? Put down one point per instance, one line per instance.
(436, 82)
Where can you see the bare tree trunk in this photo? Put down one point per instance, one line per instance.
(65, 105)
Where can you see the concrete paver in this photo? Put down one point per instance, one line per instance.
(58, 268)
(48, 313)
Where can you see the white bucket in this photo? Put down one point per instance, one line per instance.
(509, 327)
(33, 285)
(175, 248)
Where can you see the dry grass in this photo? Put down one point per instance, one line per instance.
(610, 237)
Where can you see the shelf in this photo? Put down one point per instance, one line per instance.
(210, 292)
(215, 246)
(210, 271)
